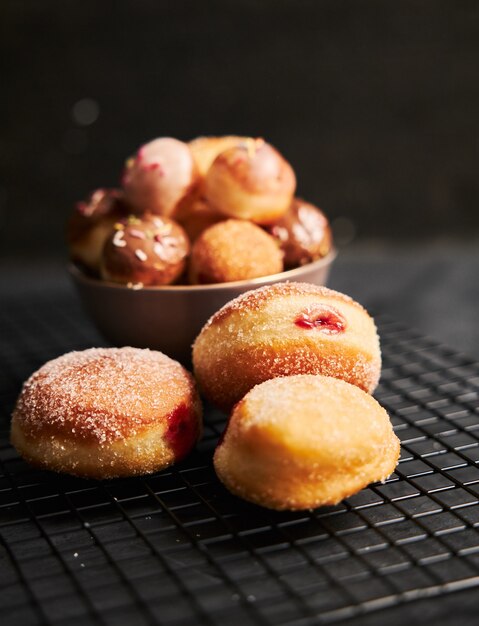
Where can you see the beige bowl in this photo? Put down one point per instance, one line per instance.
(169, 318)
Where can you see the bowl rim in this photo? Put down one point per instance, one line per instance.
(80, 276)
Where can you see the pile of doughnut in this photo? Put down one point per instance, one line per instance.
(214, 210)
(293, 364)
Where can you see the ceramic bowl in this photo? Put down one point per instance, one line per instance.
(169, 318)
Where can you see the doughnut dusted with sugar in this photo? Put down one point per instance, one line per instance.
(107, 412)
(233, 250)
(146, 250)
(159, 176)
(251, 181)
(303, 234)
(90, 225)
(282, 330)
(305, 441)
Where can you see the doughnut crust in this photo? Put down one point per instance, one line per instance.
(303, 234)
(195, 216)
(233, 250)
(251, 181)
(206, 149)
(146, 250)
(281, 330)
(159, 176)
(90, 225)
(107, 412)
(305, 441)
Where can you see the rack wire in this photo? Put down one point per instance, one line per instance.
(175, 548)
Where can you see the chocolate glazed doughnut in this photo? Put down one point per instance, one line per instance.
(303, 234)
(90, 225)
(146, 250)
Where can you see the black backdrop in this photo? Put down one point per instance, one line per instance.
(375, 103)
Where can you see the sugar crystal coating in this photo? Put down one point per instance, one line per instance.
(304, 441)
(256, 337)
(234, 250)
(102, 394)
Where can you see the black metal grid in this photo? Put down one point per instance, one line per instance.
(176, 548)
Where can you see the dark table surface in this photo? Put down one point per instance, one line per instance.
(435, 291)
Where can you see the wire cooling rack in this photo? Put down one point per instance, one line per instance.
(175, 548)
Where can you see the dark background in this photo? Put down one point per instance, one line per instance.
(374, 103)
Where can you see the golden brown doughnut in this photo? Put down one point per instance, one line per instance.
(251, 181)
(107, 412)
(195, 216)
(90, 225)
(233, 250)
(303, 234)
(206, 149)
(159, 176)
(305, 441)
(281, 330)
(146, 250)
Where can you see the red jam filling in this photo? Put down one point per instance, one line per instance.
(325, 318)
(182, 431)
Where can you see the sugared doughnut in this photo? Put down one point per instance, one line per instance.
(159, 176)
(196, 215)
(233, 250)
(206, 149)
(251, 181)
(301, 442)
(303, 234)
(281, 330)
(107, 412)
(91, 223)
(147, 250)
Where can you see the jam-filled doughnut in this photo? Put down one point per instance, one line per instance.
(107, 412)
(146, 250)
(251, 181)
(305, 441)
(91, 223)
(233, 250)
(159, 176)
(303, 234)
(206, 149)
(281, 330)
